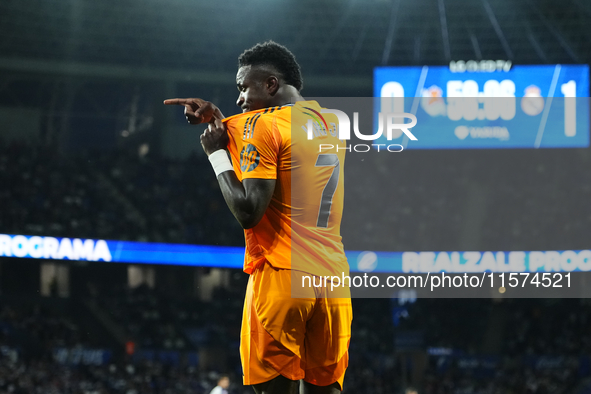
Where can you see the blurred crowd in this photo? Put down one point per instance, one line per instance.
(543, 346)
(160, 321)
(35, 333)
(112, 195)
(514, 346)
(44, 376)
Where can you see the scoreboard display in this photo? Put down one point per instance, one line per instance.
(541, 106)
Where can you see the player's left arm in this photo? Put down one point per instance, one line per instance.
(248, 200)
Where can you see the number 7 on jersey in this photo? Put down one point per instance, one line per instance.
(327, 160)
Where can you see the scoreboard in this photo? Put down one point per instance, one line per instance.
(541, 106)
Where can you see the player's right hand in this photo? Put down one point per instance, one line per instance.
(215, 137)
(197, 110)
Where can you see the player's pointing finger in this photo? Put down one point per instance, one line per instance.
(177, 101)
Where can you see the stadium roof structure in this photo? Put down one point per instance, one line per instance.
(335, 41)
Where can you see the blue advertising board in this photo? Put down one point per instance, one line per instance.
(37, 247)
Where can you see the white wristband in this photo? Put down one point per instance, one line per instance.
(220, 162)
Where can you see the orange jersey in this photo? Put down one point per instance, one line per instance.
(300, 229)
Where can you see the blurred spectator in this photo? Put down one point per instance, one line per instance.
(222, 387)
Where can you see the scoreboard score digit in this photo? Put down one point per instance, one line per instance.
(523, 107)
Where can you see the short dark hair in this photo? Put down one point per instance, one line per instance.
(270, 53)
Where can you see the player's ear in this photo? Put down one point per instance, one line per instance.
(272, 85)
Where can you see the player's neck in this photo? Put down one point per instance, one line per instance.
(287, 94)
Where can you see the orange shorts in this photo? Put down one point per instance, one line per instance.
(299, 338)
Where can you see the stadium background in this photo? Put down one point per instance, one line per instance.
(89, 151)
